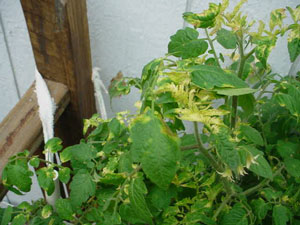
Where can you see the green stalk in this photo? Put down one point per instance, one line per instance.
(211, 44)
(261, 184)
(223, 204)
(243, 59)
(42, 160)
(204, 151)
(211, 158)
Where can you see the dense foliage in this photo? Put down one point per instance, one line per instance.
(240, 166)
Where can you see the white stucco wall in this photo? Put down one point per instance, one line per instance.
(124, 35)
(22, 63)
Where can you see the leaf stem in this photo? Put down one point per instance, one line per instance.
(203, 150)
(42, 160)
(210, 157)
(211, 44)
(189, 147)
(223, 204)
(261, 184)
(243, 59)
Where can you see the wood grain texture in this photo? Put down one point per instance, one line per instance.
(60, 41)
(22, 129)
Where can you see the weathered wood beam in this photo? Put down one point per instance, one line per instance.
(59, 35)
(22, 128)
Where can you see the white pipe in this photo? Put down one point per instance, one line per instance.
(46, 111)
(98, 85)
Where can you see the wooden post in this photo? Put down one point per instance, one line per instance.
(59, 36)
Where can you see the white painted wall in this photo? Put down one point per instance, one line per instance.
(17, 74)
(124, 35)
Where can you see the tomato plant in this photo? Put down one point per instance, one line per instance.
(240, 166)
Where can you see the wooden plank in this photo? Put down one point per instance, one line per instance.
(60, 40)
(22, 129)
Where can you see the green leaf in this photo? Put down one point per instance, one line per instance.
(260, 208)
(227, 149)
(125, 163)
(53, 145)
(291, 99)
(185, 44)
(209, 77)
(109, 147)
(82, 187)
(128, 214)
(150, 71)
(137, 190)
(156, 147)
(45, 177)
(294, 48)
(261, 167)
(64, 208)
(19, 220)
(25, 205)
(236, 216)
(37, 220)
(35, 162)
(276, 18)
(113, 178)
(111, 218)
(196, 217)
(118, 86)
(81, 152)
(47, 211)
(292, 166)
(251, 134)
(206, 19)
(7, 215)
(247, 103)
(114, 127)
(18, 175)
(234, 91)
(263, 48)
(226, 38)
(281, 215)
(64, 174)
(270, 194)
(287, 149)
(161, 199)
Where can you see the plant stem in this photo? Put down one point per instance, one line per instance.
(211, 44)
(243, 59)
(42, 160)
(261, 184)
(223, 204)
(210, 157)
(189, 147)
(203, 150)
(239, 74)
